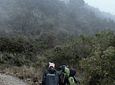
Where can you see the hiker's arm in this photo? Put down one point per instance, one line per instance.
(76, 80)
(44, 78)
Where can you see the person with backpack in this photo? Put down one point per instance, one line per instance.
(67, 75)
(50, 76)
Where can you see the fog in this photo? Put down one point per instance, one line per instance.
(36, 17)
(107, 6)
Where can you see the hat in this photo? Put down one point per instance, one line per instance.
(64, 63)
(51, 64)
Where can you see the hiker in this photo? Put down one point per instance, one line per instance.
(67, 75)
(50, 76)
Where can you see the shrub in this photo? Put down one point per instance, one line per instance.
(76, 49)
(99, 67)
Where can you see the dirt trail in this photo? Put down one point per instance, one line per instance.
(9, 80)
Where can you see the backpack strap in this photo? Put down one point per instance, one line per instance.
(65, 75)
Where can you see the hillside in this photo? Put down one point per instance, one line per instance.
(36, 17)
(35, 32)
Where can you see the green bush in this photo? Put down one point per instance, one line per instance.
(99, 67)
(112, 41)
(76, 49)
(27, 62)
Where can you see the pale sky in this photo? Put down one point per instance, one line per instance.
(103, 5)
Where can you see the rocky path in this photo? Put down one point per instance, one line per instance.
(10, 80)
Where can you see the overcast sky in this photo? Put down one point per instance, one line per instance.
(103, 5)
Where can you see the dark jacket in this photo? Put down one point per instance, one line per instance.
(50, 77)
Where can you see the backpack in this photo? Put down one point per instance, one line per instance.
(52, 78)
(66, 78)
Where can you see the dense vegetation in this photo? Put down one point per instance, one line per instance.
(92, 56)
(95, 56)
(19, 49)
(35, 17)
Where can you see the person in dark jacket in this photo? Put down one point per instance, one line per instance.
(72, 72)
(50, 76)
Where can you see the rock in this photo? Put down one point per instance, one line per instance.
(28, 79)
(7, 73)
(40, 83)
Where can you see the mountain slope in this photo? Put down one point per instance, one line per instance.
(36, 17)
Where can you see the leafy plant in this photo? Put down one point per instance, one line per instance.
(99, 67)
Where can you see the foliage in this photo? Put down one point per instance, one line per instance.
(76, 49)
(112, 41)
(99, 67)
(32, 18)
(96, 56)
(19, 50)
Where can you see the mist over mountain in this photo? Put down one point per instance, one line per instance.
(38, 17)
(100, 14)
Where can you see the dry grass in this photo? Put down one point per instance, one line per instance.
(27, 74)
(34, 74)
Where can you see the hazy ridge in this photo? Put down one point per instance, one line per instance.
(34, 17)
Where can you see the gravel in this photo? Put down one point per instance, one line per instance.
(10, 80)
